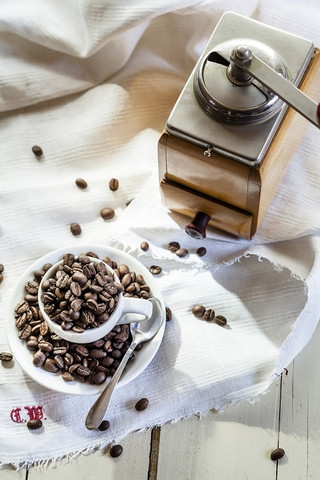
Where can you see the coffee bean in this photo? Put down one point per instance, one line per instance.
(81, 183)
(75, 229)
(34, 424)
(37, 151)
(50, 365)
(155, 269)
(67, 377)
(220, 320)
(1, 267)
(1, 277)
(144, 246)
(141, 404)
(277, 454)
(114, 184)
(182, 252)
(25, 332)
(201, 251)
(83, 371)
(174, 246)
(107, 213)
(116, 451)
(6, 357)
(168, 314)
(39, 358)
(104, 425)
(209, 315)
(198, 310)
(21, 307)
(98, 377)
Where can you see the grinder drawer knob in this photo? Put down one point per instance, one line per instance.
(197, 228)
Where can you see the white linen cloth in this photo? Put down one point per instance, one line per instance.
(93, 83)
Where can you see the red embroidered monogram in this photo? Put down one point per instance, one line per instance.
(34, 413)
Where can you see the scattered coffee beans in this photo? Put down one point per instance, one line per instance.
(81, 183)
(116, 451)
(201, 251)
(168, 314)
(277, 454)
(198, 310)
(34, 424)
(208, 315)
(155, 269)
(144, 246)
(182, 252)
(220, 320)
(104, 425)
(6, 357)
(107, 213)
(173, 246)
(114, 184)
(141, 404)
(75, 229)
(37, 151)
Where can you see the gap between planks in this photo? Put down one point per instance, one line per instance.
(154, 453)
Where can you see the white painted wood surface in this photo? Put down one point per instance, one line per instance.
(233, 445)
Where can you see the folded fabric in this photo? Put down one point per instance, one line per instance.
(92, 84)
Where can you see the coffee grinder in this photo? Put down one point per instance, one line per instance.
(232, 134)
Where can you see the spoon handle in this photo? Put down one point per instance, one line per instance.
(99, 408)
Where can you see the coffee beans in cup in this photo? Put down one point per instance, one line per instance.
(81, 294)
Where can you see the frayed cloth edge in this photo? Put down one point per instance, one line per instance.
(102, 446)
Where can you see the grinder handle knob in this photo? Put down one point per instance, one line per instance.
(197, 227)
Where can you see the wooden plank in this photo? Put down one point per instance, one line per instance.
(133, 464)
(7, 472)
(299, 432)
(235, 444)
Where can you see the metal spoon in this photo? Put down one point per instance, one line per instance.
(140, 332)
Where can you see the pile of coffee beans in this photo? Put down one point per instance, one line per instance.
(209, 315)
(92, 362)
(81, 294)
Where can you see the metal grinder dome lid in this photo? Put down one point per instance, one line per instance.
(230, 95)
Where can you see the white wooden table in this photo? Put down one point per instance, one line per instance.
(234, 445)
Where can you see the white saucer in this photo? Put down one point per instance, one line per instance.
(54, 381)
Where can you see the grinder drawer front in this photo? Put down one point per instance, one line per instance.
(219, 177)
(224, 217)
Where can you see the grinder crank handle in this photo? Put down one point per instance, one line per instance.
(243, 57)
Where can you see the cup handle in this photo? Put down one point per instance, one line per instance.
(135, 305)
